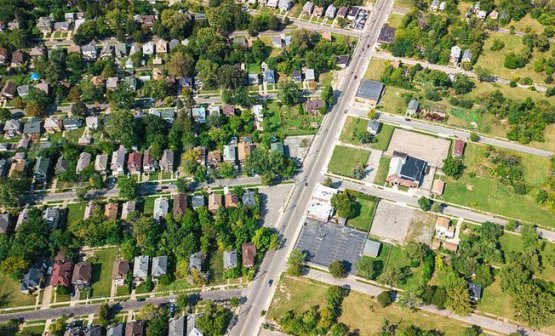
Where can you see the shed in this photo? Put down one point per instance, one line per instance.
(372, 248)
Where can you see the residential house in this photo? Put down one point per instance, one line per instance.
(17, 166)
(444, 229)
(135, 328)
(89, 210)
(285, 5)
(107, 51)
(111, 211)
(134, 162)
(167, 161)
(179, 204)
(387, 35)
(53, 125)
(475, 291)
(438, 187)
(177, 326)
(201, 150)
(43, 86)
(91, 122)
(32, 129)
(23, 90)
(5, 224)
(9, 89)
(192, 329)
(297, 76)
(32, 280)
(314, 106)
(269, 76)
(342, 12)
(406, 170)
(373, 127)
(69, 17)
(93, 330)
(330, 12)
(61, 26)
(214, 202)
(71, 123)
(161, 46)
(148, 48)
(112, 83)
(494, 14)
(4, 55)
(115, 330)
(83, 162)
(42, 168)
(44, 24)
(413, 107)
(101, 163)
(120, 50)
(230, 259)
(131, 82)
(195, 261)
(197, 201)
(12, 128)
(173, 43)
(161, 208)
(308, 8)
(3, 167)
(82, 273)
(467, 56)
(52, 217)
(127, 208)
(89, 52)
(435, 5)
(243, 151)
(214, 158)
(455, 55)
(481, 14)
(199, 114)
(140, 268)
(159, 267)
(272, 3)
(318, 11)
(228, 110)
(230, 154)
(37, 51)
(149, 163)
(62, 271)
(148, 20)
(458, 148)
(352, 13)
(277, 42)
(277, 146)
(342, 61)
(118, 162)
(249, 199)
(369, 92)
(231, 200)
(248, 251)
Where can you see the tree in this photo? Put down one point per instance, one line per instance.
(474, 137)
(295, 263)
(385, 299)
(458, 298)
(182, 302)
(181, 64)
(327, 95)
(463, 84)
(424, 203)
(14, 266)
(337, 269)
(453, 166)
(104, 314)
(128, 187)
(369, 268)
(214, 320)
(289, 93)
(58, 327)
(37, 102)
(344, 204)
(121, 128)
(328, 182)
(13, 190)
(79, 109)
(473, 331)
(123, 97)
(5, 114)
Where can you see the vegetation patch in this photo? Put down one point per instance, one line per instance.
(347, 161)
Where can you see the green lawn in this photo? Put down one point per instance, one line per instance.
(364, 213)
(383, 168)
(76, 211)
(395, 20)
(148, 205)
(408, 4)
(354, 126)
(345, 159)
(74, 135)
(10, 289)
(375, 69)
(254, 68)
(383, 138)
(359, 312)
(177, 285)
(486, 193)
(102, 271)
(393, 100)
(495, 302)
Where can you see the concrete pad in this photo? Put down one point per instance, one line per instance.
(391, 222)
(425, 147)
(297, 146)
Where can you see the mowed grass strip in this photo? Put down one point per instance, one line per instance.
(102, 262)
(344, 159)
(359, 312)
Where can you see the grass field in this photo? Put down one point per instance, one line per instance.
(364, 214)
(360, 312)
(493, 60)
(495, 302)
(354, 126)
(375, 69)
(76, 211)
(291, 121)
(345, 159)
(10, 288)
(148, 205)
(403, 4)
(525, 22)
(383, 168)
(102, 271)
(486, 193)
(395, 20)
(393, 101)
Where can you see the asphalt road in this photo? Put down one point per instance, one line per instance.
(259, 294)
(53, 313)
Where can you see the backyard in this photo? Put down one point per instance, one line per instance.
(11, 294)
(359, 312)
(345, 159)
(485, 192)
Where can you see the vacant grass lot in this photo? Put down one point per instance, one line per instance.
(403, 4)
(395, 20)
(493, 60)
(76, 211)
(360, 312)
(393, 101)
(383, 168)
(354, 126)
(485, 192)
(364, 212)
(14, 298)
(292, 121)
(102, 271)
(375, 69)
(345, 159)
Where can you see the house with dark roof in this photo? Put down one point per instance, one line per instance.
(52, 217)
(5, 224)
(179, 204)
(406, 171)
(135, 328)
(342, 61)
(41, 170)
(93, 330)
(62, 271)
(249, 199)
(82, 273)
(413, 107)
(197, 201)
(134, 162)
(32, 128)
(387, 34)
(9, 89)
(83, 162)
(314, 106)
(120, 269)
(195, 261)
(115, 330)
(33, 279)
(475, 291)
(248, 251)
(369, 92)
(159, 267)
(71, 123)
(458, 148)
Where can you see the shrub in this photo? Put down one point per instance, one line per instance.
(474, 137)
(384, 299)
(439, 298)
(337, 269)
(424, 203)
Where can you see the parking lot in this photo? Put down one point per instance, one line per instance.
(425, 147)
(325, 243)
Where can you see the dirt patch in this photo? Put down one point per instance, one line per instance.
(421, 228)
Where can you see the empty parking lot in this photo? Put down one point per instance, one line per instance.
(425, 147)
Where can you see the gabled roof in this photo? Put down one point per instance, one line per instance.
(111, 211)
(248, 250)
(249, 199)
(230, 259)
(179, 204)
(82, 273)
(140, 266)
(159, 266)
(120, 269)
(197, 201)
(177, 326)
(195, 261)
(61, 273)
(5, 225)
(116, 330)
(134, 328)
(370, 89)
(214, 201)
(32, 126)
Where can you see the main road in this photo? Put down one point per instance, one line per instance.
(260, 292)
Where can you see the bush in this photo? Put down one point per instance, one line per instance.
(384, 299)
(439, 298)
(526, 81)
(474, 137)
(337, 269)
(512, 84)
(520, 188)
(424, 203)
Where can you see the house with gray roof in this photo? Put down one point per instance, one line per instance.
(455, 55)
(369, 92)
(269, 76)
(83, 162)
(192, 329)
(12, 128)
(140, 268)
(230, 154)
(52, 217)
(71, 123)
(167, 161)
(23, 90)
(117, 164)
(61, 166)
(115, 330)
(159, 267)
(5, 224)
(199, 114)
(230, 259)
(467, 56)
(89, 52)
(41, 170)
(373, 127)
(127, 208)
(32, 128)
(248, 199)
(32, 280)
(107, 51)
(93, 330)
(197, 201)
(161, 208)
(44, 24)
(195, 261)
(177, 326)
(101, 163)
(277, 146)
(413, 107)
(372, 248)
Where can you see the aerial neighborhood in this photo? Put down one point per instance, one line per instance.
(245, 167)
